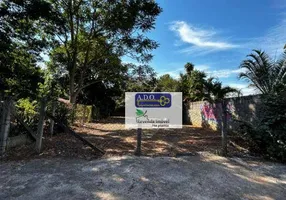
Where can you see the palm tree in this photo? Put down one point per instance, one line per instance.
(189, 67)
(215, 92)
(266, 75)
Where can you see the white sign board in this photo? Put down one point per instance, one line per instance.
(153, 110)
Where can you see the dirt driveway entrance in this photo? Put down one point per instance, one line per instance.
(200, 177)
(111, 136)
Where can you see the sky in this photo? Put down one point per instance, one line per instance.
(216, 35)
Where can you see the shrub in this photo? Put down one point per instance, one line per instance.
(27, 110)
(268, 134)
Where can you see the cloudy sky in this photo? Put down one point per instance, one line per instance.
(216, 35)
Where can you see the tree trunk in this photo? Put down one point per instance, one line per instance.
(73, 97)
(5, 125)
(40, 129)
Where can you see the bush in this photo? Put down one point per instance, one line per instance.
(27, 110)
(268, 134)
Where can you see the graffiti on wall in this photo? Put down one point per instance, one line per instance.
(209, 112)
(212, 112)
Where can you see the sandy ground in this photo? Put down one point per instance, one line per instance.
(204, 176)
(111, 136)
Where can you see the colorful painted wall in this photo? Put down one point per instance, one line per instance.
(207, 115)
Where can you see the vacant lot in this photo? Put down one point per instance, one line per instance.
(111, 136)
(204, 176)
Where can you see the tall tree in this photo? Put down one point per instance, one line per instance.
(97, 31)
(140, 78)
(26, 29)
(192, 83)
(266, 75)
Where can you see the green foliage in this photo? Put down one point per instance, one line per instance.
(268, 133)
(96, 34)
(83, 113)
(215, 92)
(27, 110)
(192, 85)
(189, 67)
(167, 84)
(27, 28)
(196, 86)
(266, 75)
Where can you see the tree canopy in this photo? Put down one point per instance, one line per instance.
(97, 33)
(265, 74)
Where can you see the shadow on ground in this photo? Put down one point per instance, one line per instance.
(111, 136)
(204, 176)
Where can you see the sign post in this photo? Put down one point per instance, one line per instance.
(152, 110)
(139, 139)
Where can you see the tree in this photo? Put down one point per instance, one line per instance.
(266, 75)
(196, 86)
(189, 67)
(97, 32)
(192, 83)
(167, 84)
(267, 131)
(140, 78)
(26, 29)
(215, 92)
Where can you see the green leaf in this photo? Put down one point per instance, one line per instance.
(139, 112)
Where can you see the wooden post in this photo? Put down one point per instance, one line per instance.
(40, 129)
(224, 129)
(5, 125)
(84, 113)
(139, 139)
(52, 123)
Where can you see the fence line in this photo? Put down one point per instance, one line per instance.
(207, 115)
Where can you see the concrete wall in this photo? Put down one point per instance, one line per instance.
(204, 114)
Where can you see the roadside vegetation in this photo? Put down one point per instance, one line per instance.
(73, 50)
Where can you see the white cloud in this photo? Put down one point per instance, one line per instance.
(244, 88)
(202, 67)
(225, 73)
(173, 73)
(176, 73)
(202, 41)
(275, 39)
(272, 41)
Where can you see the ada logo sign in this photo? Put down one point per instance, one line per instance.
(153, 110)
(153, 100)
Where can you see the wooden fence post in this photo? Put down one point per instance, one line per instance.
(139, 138)
(5, 125)
(41, 126)
(224, 129)
(52, 123)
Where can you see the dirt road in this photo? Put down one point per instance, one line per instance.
(204, 176)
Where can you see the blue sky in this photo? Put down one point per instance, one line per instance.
(216, 35)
